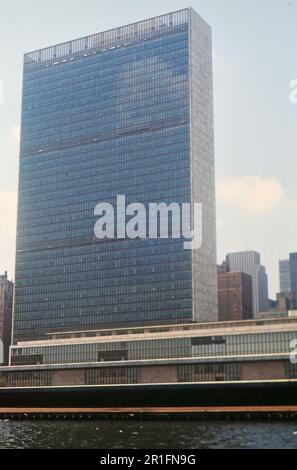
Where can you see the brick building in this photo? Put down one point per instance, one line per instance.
(235, 296)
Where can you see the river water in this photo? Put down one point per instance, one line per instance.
(147, 434)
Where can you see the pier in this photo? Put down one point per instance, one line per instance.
(153, 413)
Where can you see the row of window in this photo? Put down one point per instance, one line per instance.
(151, 73)
(99, 268)
(231, 345)
(168, 154)
(85, 315)
(29, 330)
(124, 149)
(102, 299)
(211, 372)
(63, 127)
(50, 265)
(138, 50)
(125, 176)
(179, 195)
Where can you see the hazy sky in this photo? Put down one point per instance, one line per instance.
(255, 59)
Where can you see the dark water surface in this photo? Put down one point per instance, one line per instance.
(147, 434)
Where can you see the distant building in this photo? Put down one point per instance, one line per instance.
(285, 276)
(284, 301)
(272, 314)
(235, 296)
(272, 304)
(249, 262)
(283, 307)
(292, 313)
(222, 268)
(293, 273)
(6, 301)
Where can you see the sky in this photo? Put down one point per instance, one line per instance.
(255, 60)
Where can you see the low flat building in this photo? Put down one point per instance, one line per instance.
(209, 352)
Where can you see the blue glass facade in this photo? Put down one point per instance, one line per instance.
(103, 116)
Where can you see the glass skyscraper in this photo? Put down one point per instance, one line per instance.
(285, 276)
(124, 112)
(249, 262)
